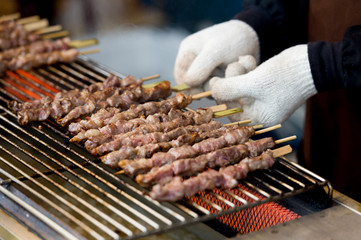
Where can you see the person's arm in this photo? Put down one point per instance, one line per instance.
(273, 91)
(337, 65)
(279, 24)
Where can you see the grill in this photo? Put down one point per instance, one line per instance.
(59, 190)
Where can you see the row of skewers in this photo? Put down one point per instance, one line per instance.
(144, 130)
(26, 43)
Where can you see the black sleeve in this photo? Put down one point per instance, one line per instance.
(279, 23)
(337, 64)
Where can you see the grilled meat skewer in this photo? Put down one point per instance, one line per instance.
(64, 102)
(146, 151)
(40, 46)
(179, 101)
(218, 158)
(100, 135)
(29, 60)
(154, 137)
(118, 98)
(179, 119)
(73, 95)
(227, 177)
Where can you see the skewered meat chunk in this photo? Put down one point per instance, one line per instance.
(226, 177)
(218, 158)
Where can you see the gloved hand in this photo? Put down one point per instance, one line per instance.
(269, 94)
(242, 66)
(217, 46)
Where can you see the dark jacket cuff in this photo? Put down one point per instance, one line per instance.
(326, 65)
(337, 64)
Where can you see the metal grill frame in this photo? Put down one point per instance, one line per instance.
(46, 170)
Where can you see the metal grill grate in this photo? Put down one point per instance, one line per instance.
(71, 194)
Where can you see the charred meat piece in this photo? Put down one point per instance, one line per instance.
(226, 177)
(218, 158)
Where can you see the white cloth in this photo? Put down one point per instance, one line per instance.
(269, 94)
(217, 46)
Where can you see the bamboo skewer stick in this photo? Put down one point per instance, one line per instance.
(89, 51)
(257, 126)
(49, 29)
(83, 43)
(150, 77)
(269, 129)
(227, 112)
(59, 34)
(286, 139)
(43, 23)
(9, 17)
(179, 88)
(202, 95)
(218, 108)
(280, 152)
(28, 19)
(239, 122)
(190, 109)
(221, 113)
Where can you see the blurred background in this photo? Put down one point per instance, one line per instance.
(140, 37)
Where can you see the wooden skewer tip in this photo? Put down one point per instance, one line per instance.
(279, 152)
(269, 129)
(286, 139)
(119, 172)
(180, 87)
(59, 34)
(238, 123)
(9, 17)
(28, 19)
(155, 76)
(49, 29)
(227, 112)
(201, 95)
(89, 51)
(190, 109)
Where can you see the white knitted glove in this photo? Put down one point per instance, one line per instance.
(269, 94)
(201, 53)
(242, 66)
